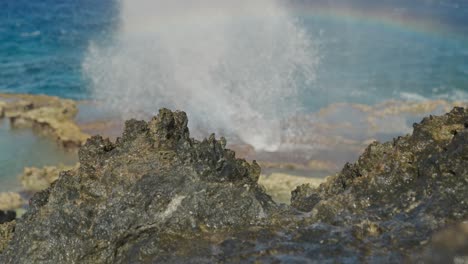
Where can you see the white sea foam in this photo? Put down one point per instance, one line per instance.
(234, 66)
(455, 95)
(413, 97)
(31, 34)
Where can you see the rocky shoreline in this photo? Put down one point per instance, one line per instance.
(50, 116)
(157, 195)
(47, 115)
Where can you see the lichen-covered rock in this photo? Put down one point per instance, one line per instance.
(386, 208)
(153, 183)
(6, 234)
(408, 188)
(38, 179)
(47, 114)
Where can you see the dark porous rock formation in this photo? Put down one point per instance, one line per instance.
(154, 185)
(399, 193)
(7, 216)
(157, 196)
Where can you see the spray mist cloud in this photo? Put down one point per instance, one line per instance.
(234, 66)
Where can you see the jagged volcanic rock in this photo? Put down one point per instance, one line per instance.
(157, 196)
(400, 192)
(154, 180)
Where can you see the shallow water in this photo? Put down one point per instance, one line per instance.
(21, 148)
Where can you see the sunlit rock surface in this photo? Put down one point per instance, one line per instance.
(280, 185)
(46, 114)
(157, 196)
(10, 201)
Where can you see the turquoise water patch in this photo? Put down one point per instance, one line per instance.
(370, 63)
(21, 148)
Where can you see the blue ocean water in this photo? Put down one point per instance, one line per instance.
(367, 63)
(43, 44)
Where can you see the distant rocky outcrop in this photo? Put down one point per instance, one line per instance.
(46, 114)
(10, 201)
(158, 196)
(38, 179)
(280, 185)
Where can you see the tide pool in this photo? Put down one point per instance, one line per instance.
(21, 148)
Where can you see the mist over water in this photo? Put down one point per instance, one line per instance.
(235, 67)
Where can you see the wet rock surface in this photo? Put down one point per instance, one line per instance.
(48, 115)
(7, 216)
(158, 196)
